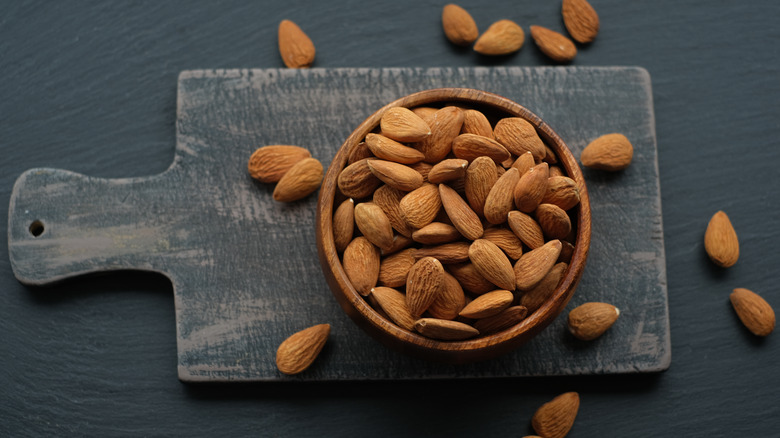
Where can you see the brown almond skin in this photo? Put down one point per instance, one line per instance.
(471, 146)
(471, 280)
(358, 152)
(444, 330)
(447, 253)
(269, 163)
(524, 162)
(389, 200)
(450, 301)
(500, 199)
(357, 181)
(501, 38)
(506, 240)
(492, 263)
(393, 303)
(581, 20)
(561, 191)
(555, 418)
(445, 126)
(400, 242)
(459, 27)
(721, 242)
(396, 175)
(419, 207)
(436, 233)
(295, 46)
(303, 178)
(475, 122)
(462, 216)
(391, 150)
(394, 269)
(556, 171)
(534, 265)
(554, 221)
(590, 320)
(374, 224)
(531, 188)
(480, 177)
(489, 304)
(361, 264)
(536, 296)
(754, 312)
(553, 44)
(447, 170)
(401, 124)
(610, 152)
(344, 224)
(422, 285)
(501, 321)
(296, 353)
(526, 229)
(519, 136)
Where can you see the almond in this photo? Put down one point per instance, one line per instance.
(580, 19)
(462, 216)
(501, 38)
(458, 25)
(358, 152)
(492, 264)
(269, 163)
(567, 251)
(424, 169)
(445, 126)
(480, 177)
(296, 48)
(553, 44)
(426, 113)
(556, 171)
(389, 200)
(534, 265)
(501, 321)
(450, 300)
(531, 188)
(590, 320)
(396, 175)
(499, 201)
(536, 296)
(753, 311)
(610, 152)
(447, 170)
(344, 224)
(444, 329)
(391, 150)
(357, 181)
(401, 124)
(394, 269)
(519, 136)
(474, 122)
(422, 285)
(448, 253)
(506, 240)
(393, 303)
(400, 242)
(361, 264)
(550, 156)
(301, 180)
(555, 418)
(524, 162)
(419, 207)
(554, 221)
(562, 191)
(296, 353)
(436, 233)
(526, 229)
(374, 224)
(471, 146)
(470, 278)
(489, 304)
(720, 241)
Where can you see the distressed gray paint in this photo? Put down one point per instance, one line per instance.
(244, 268)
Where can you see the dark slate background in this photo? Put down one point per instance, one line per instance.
(90, 86)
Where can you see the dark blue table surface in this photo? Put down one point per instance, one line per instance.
(90, 86)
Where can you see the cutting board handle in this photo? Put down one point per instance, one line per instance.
(62, 224)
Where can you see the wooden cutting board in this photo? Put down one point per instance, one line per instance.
(244, 268)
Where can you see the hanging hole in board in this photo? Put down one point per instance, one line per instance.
(36, 228)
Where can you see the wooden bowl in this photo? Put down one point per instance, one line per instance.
(479, 348)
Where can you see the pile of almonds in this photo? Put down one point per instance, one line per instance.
(296, 173)
(453, 226)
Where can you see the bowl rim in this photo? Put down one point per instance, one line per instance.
(483, 347)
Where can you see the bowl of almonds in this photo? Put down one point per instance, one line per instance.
(453, 225)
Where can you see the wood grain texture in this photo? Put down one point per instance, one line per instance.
(244, 268)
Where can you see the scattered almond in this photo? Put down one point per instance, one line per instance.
(296, 48)
(458, 25)
(580, 19)
(590, 320)
(555, 418)
(303, 178)
(269, 163)
(610, 152)
(553, 44)
(720, 241)
(753, 311)
(296, 353)
(501, 38)
(401, 124)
